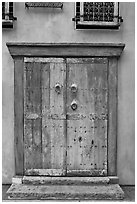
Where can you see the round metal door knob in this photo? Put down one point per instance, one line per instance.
(74, 88)
(74, 105)
(58, 88)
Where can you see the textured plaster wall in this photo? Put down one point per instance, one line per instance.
(55, 25)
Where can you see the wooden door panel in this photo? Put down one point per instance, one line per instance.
(80, 154)
(58, 148)
(101, 105)
(48, 114)
(57, 100)
(57, 116)
(46, 137)
(32, 111)
(77, 75)
(87, 125)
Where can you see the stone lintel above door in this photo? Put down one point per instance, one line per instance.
(65, 49)
(18, 51)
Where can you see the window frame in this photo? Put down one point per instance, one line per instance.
(81, 24)
(7, 22)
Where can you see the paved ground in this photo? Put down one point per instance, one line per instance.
(128, 190)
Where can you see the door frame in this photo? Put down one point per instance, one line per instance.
(102, 50)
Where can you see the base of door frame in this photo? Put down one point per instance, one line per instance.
(36, 180)
(65, 188)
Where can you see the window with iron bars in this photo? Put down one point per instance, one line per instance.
(95, 15)
(7, 15)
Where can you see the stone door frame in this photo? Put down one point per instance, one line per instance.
(20, 50)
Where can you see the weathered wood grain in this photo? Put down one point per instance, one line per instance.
(58, 148)
(64, 50)
(41, 59)
(32, 105)
(79, 129)
(92, 60)
(58, 112)
(45, 172)
(101, 108)
(18, 115)
(57, 77)
(86, 139)
(46, 134)
(112, 117)
(45, 146)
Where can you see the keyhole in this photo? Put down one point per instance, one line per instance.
(92, 142)
(80, 139)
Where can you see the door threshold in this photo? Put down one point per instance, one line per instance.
(42, 180)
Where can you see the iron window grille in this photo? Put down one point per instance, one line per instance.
(7, 15)
(97, 15)
(44, 4)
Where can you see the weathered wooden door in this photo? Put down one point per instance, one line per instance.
(44, 116)
(65, 116)
(87, 116)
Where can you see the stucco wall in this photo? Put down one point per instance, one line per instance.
(55, 25)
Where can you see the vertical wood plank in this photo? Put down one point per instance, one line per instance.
(32, 116)
(18, 115)
(46, 134)
(112, 128)
(57, 144)
(57, 76)
(58, 115)
(101, 110)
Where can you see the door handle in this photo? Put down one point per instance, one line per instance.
(74, 88)
(58, 88)
(74, 105)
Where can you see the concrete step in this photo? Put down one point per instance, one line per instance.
(65, 192)
(43, 180)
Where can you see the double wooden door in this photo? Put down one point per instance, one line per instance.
(65, 116)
